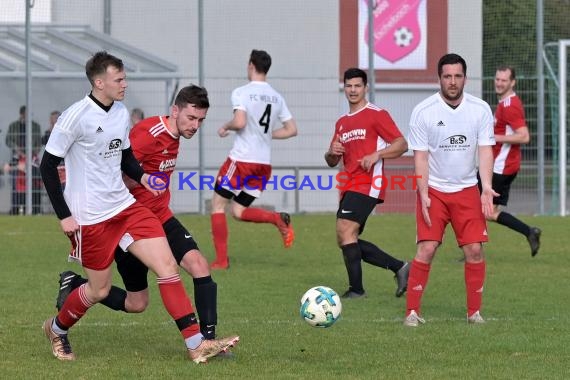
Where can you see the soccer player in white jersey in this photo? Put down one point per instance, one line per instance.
(511, 131)
(260, 115)
(362, 139)
(155, 143)
(98, 213)
(448, 131)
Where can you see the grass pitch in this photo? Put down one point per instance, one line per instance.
(525, 304)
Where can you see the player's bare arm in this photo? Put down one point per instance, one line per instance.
(520, 136)
(422, 172)
(486, 173)
(239, 121)
(288, 130)
(335, 152)
(398, 147)
(69, 225)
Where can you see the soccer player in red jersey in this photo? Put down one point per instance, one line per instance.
(93, 137)
(511, 131)
(260, 115)
(155, 142)
(362, 139)
(448, 131)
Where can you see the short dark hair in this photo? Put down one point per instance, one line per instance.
(261, 60)
(451, 59)
(22, 110)
(138, 112)
(192, 94)
(98, 64)
(508, 67)
(355, 72)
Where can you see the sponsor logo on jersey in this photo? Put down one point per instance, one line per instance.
(456, 139)
(99, 130)
(115, 144)
(167, 165)
(355, 134)
(454, 143)
(114, 148)
(441, 124)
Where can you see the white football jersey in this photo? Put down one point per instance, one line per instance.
(266, 110)
(451, 136)
(91, 141)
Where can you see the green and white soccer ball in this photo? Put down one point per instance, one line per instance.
(320, 306)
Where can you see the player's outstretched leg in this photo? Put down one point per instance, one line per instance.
(281, 220)
(70, 280)
(372, 254)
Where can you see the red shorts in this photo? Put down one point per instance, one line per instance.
(249, 177)
(94, 245)
(462, 209)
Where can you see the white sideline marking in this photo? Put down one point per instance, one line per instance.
(296, 321)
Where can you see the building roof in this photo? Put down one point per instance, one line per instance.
(60, 51)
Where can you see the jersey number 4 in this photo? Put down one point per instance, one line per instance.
(265, 119)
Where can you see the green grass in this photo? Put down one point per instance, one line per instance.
(525, 304)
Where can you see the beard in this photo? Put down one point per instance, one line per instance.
(452, 97)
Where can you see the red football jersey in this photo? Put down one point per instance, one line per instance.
(508, 117)
(156, 149)
(361, 133)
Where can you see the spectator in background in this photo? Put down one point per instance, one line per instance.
(53, 116)
(16, 140)
(52, 119)
(136, 115)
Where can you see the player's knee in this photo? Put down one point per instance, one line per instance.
(473, 252)
(195, 264)
(97, 295)
(170, 266)
(236, 211)
(219, 204)
(136, 306)
(165, 266)
(426, 251)
(346, 232)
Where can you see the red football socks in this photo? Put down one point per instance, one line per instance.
(417, 281)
